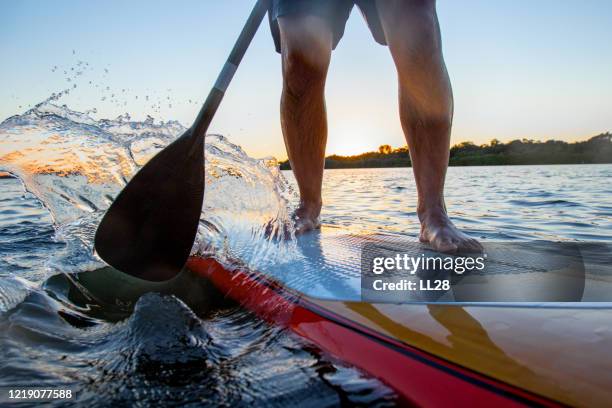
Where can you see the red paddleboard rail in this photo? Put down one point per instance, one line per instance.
(418, 377)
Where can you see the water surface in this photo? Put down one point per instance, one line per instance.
(168, 351)
(69, 167)
(163, 352)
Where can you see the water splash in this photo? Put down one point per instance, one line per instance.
(13, 290)
(76, 165)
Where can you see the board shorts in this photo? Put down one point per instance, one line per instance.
(336, 12)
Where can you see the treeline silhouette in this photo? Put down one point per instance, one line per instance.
(597, 149)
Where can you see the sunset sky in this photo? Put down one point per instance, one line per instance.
(536, 69)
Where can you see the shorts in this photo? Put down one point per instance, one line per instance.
(336, 12)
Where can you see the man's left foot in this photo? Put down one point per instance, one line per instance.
(441, 234)
(306, 218)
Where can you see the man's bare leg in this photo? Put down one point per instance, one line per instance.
(306, 43)
(426, 111)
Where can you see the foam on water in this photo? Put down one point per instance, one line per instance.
(76, 165)
(164, 350)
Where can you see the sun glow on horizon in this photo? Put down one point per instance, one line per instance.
(348, 138)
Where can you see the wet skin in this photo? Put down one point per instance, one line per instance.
(426, 111)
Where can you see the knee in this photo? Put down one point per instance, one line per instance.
(304, 67)
(306, 55)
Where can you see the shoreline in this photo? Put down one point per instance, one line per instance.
(462, 165)
(595, 150)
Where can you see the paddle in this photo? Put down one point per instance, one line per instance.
(149, 229)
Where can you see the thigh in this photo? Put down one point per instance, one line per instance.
(328, 16)
(305, 31)
(401, 19)
(306, 38)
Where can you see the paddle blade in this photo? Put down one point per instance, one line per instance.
(150, 228)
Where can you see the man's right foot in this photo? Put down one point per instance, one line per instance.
(306, 218)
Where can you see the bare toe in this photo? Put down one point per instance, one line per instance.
(303, 224)
(444, 237)
(447, 247)
(475, 245)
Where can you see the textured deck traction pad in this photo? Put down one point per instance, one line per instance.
(330, 264)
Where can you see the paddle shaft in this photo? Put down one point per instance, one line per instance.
(227, 73)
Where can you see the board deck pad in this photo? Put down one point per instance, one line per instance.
(333, 264)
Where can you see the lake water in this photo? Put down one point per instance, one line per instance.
(163, 352)
(559, 202)
(167, 351)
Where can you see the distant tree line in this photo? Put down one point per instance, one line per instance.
(597, 149)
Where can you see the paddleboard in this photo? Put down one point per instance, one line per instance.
(454, 348)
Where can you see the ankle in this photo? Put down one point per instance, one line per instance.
(431, 212)
(309, 209)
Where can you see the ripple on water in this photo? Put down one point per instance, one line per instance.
(544, 203)
(167, 352)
